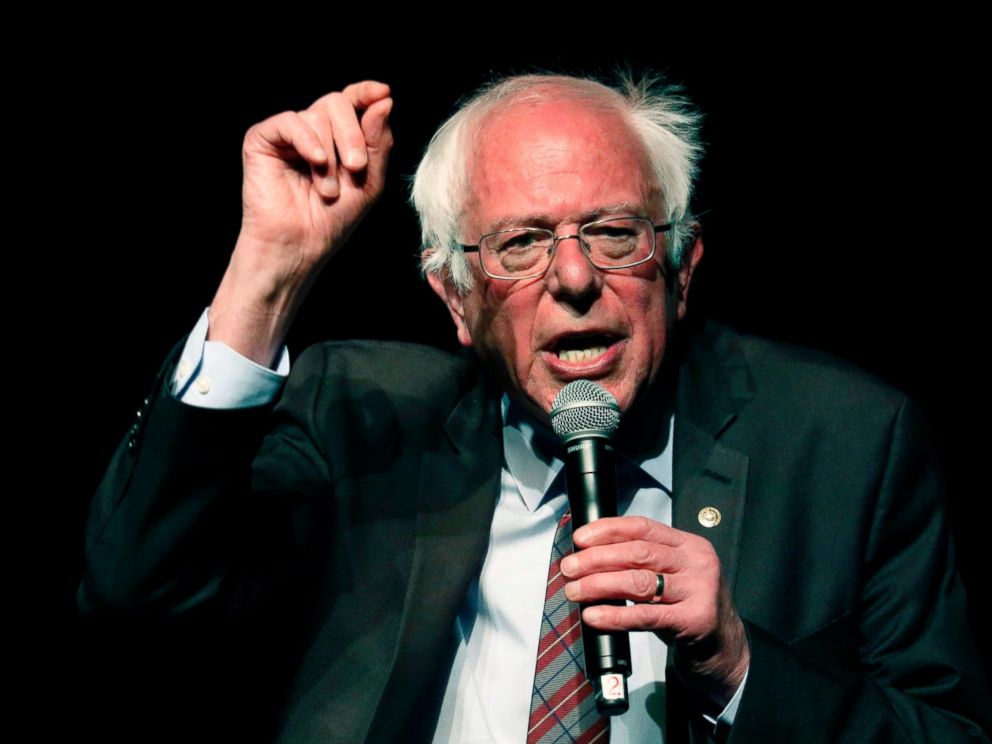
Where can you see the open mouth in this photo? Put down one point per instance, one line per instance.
(577, 349)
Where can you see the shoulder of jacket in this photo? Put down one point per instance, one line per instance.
(382, 356)
(374, 375)
(810, 378)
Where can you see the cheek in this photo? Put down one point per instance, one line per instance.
(654, 321)
(502, 326)
(516, 327)
(649, 316)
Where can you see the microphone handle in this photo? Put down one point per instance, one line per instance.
(590, 477)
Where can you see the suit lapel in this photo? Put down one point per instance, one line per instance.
(710, 478)
(710, 494)
(458, 489)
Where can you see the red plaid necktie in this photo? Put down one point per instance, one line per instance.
(562, 706)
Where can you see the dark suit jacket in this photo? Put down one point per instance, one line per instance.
(363, 500)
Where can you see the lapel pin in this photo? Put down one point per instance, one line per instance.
(709, 516)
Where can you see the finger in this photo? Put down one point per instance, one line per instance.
(622, 529)
(325, 175)
(657, 617)
(362, 95)
(359, 95)
(618, 557)
(637, 585)
(375, 125)
(379, 138)
(287, 132)
(349, 140)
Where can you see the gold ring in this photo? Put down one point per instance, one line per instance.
(659, 589)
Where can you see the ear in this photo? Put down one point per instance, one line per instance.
(452, 299)
(690, 259)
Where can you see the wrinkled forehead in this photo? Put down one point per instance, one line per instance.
(556, 153)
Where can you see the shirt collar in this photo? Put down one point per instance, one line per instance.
(531, 455)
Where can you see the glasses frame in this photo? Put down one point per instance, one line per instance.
(555, 239)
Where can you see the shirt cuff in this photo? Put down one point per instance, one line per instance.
(723, 722)
(211, 374)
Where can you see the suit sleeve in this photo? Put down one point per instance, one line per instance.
(175, 523)
(916, 675)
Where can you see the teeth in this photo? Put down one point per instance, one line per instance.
(581, 355)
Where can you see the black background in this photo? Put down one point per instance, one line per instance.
(839, 172)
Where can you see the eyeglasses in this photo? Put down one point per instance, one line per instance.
(525, 252)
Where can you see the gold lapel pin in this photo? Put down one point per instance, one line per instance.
(709, 516)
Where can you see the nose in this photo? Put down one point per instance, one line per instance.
(571, 277)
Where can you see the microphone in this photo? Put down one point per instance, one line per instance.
(585, 417)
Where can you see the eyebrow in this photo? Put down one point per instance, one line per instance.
(543, 219)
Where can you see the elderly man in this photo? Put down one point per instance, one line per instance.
(786, 566)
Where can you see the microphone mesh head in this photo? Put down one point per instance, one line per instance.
(583, 407)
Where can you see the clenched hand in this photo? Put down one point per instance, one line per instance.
(309, 178)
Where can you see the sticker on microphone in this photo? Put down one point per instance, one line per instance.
(612, 686)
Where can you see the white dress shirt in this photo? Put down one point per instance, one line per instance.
(489, 689)
(210, 374)
(487, 697)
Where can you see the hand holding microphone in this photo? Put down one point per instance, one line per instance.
(585, 416)
(620, 558)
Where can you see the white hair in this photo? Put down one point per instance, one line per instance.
(664, 121)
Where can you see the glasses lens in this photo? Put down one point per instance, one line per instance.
(620, 241)
(516, 252)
